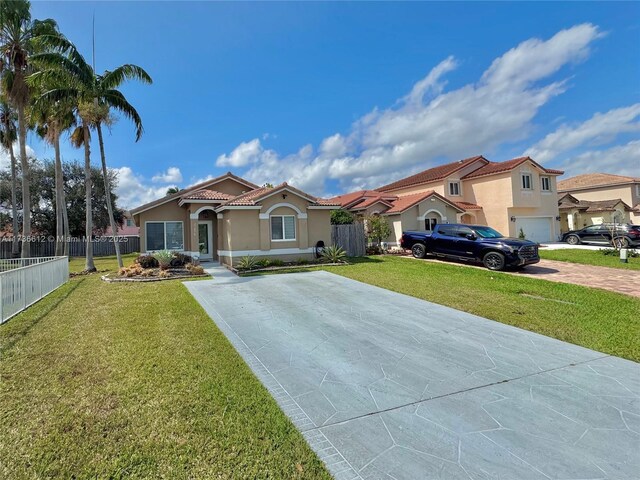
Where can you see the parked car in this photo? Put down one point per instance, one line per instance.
(620, 235)
(472, 242)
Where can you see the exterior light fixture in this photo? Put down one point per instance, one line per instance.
(513, 218)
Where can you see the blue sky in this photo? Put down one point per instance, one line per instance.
(333, 97)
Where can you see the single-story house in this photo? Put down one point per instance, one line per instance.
(227, 218)
(576, 214)
(597, 187)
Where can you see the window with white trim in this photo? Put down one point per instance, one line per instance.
(130, 223)
(545, 184)
(164, 236)
(283, 228)
(454, 188)
(526, 182)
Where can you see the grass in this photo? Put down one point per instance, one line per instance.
(589, 257)
(134, 380)
(596, 319)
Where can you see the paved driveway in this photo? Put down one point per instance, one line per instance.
(388, 386)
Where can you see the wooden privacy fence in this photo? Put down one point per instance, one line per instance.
(24, 281)
(351, 238)
(102, 246)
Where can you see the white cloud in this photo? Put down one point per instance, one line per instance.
(600, 129)
(5, 158)
(172, 175)
(132, 190)
(620, 160)
(429, 124)
(242, 155)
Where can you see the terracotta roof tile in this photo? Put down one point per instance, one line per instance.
(594, 180)
(251, 198)
(205, 194)
(468, 206)
(408, 201)
(349, 199)
(431, 175)
(492, 168)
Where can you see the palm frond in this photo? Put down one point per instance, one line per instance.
(117, 101)
(115, 78)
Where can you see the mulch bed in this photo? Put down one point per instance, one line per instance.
(174, 274)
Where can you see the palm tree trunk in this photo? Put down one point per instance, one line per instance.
(26, 194)
(15, 247)
(107, 190)
(89, 265)
(65, 219)
(59, 197)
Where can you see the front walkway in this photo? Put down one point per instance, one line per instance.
(384, 385)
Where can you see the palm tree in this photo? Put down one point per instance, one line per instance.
(94, 97)
(8, 136)
(172, 190)
(50, 121)
(20, 38)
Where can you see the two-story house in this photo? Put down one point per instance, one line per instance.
(595, 198)
(510, 196)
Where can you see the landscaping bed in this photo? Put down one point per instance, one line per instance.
(163, 265)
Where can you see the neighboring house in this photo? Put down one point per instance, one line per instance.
(227, 218)
(576, 214)
(597, 187)
(508, 196)
(127, 229)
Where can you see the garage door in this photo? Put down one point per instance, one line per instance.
(535, 229)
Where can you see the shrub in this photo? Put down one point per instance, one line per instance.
(301, 261)
(163, 274)
(247, 263)
(521, 235)
(341, 217)
(147, 272)
(373, 250)
(164, 258)
(616, 253)
(334, 254)
(195, 269)
(180, 259)
(147, 261)
(263, 263)
(276, 262)
(378, 228)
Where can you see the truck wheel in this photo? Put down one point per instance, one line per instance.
(493, 261)
(573, 240)
(419, 250)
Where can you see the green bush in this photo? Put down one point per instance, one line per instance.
(248, 263)
(341, 217)
(147, 261)
(164, 258)
(334, 254)
(616, 253)
(301, 261)
(276, 262)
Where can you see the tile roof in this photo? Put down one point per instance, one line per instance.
(593, 206)
(251, 198)
(594, 180)
(492, 168)
(368, 201)
(349, 199)
(468, 206)
(407, 201)
(205, 194)
(432, 174)
(197, 186)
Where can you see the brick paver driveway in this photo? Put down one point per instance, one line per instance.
(614, 279)
(383, 385)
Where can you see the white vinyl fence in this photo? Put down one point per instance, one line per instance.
(24, 281)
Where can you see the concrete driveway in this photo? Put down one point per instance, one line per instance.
(384, 385)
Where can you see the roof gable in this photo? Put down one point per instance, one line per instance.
(193, 188)
(432, 174)
(253, 197)
(493, 168)
(405, 202)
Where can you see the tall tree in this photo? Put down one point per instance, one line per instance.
(20, 38)
(8, 136)
(94, 96)
(50, 121)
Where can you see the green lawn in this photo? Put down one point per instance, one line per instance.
(589, 257)
(597, 319)
(135, 381)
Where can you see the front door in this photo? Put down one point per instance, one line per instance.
(205, 239)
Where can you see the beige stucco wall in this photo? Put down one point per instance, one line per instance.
(627, 193)
(167, 212)
(408, 220)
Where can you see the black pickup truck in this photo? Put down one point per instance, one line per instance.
(472, 242)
